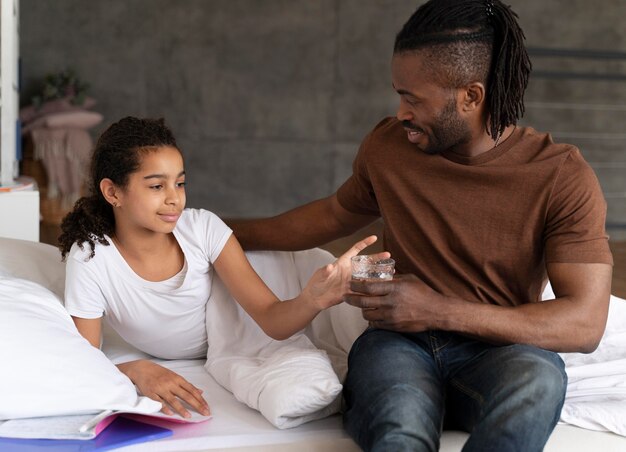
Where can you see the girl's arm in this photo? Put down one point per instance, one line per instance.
(90, 329)
(153, 380)
(282, 319)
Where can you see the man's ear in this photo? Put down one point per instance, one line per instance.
(472, 97)
(110, 191)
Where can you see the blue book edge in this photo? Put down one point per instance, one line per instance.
(121, 432)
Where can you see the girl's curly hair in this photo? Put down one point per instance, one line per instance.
(116, 156)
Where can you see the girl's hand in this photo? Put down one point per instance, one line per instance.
(163, 385)
(328, 284)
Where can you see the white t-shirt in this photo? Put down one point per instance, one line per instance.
(165, 319)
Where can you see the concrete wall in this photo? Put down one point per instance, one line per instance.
(269, 99)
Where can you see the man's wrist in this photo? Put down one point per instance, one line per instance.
(450, 315)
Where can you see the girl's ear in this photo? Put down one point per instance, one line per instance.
(110, 192)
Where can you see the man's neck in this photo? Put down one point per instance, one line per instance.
(485, 142)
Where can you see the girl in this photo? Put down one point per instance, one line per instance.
(137, 256)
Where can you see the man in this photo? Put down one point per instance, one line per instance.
(478, 213)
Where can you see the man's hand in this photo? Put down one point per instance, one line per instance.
(404, 304)
(163, 385)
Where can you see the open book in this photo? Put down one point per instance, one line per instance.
(83, 426)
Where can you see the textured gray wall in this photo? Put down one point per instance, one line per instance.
(269, 99)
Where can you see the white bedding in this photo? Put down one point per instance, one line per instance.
(235, 425)
(596, 389)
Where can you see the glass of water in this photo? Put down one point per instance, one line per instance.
(368, 268)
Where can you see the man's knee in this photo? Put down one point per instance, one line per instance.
(541, 374)
(401, 415)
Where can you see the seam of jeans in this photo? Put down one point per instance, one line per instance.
(434, 348)
(468, 391)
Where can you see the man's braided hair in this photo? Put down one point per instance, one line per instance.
(473, 40)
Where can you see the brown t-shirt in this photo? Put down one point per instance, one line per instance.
(481, 228)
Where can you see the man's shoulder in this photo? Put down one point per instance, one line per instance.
(545, 141)
(541, 147)
(387, 133)
(387, 125)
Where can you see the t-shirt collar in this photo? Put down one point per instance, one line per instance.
(487, 156)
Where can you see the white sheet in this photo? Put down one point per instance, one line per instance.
(596, 390)
(596, 387)
(234, 424)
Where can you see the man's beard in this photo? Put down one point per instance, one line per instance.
(447, 131)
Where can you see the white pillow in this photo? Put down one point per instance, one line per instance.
(48, 368)
(33, 261)
(290, 382)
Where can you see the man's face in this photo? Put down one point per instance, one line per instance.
(427, 110)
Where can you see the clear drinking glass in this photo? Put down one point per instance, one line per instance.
(370, 269)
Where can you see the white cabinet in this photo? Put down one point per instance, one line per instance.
(19, 215)
(19, 209)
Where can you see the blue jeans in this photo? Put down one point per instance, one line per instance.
(403, 389)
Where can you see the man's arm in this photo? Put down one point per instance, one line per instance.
(304, 227)
(573, 322)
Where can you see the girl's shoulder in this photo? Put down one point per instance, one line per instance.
(195, 218)
(202, 230)
(82, 252)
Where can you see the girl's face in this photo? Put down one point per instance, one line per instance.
(154, 198)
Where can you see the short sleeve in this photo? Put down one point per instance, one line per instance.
(357, 193)
(211, 232)
(83, 297)
(575, 224)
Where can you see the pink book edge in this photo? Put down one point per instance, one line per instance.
(104, 423)
(164, 417)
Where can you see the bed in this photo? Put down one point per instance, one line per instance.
(295, 410)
